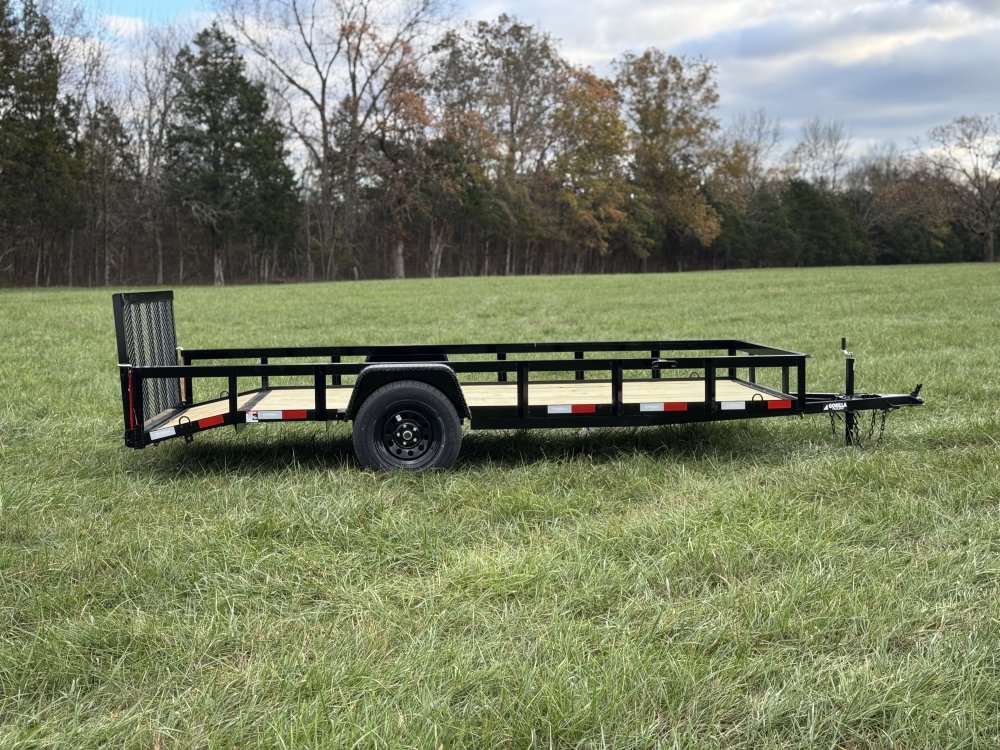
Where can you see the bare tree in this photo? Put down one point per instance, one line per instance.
(821, 155)
(334, 61)
(966, 151)
(757, 136)
(150, 98)
(81, 45)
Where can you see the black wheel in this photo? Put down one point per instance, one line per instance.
(407, 425)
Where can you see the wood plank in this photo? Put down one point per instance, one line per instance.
(274, 399)
(491, 394)
(583, 392)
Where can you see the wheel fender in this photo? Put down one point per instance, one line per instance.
(438, 376)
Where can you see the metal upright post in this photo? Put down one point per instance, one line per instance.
(850, 418)
(522, 390)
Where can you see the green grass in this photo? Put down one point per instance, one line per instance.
(751, 584)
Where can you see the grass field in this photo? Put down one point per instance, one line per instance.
(752, 584)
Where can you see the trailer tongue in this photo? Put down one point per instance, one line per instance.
(407, 403)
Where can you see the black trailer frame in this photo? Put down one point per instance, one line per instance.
(421, 400)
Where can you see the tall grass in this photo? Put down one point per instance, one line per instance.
(751, 584)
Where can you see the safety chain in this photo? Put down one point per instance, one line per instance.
(860, 436)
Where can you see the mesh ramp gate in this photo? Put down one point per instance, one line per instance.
(144, 324)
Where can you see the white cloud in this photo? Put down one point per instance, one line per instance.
(889, 69)
(124, 27)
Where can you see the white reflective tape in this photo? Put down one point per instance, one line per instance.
(269, 416)
(163, 432)
(733, 405)
(651, 406)
(560, 408)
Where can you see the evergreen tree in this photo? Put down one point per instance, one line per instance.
(828, 235)
(226, 157)
(109, 185)
(38, 162)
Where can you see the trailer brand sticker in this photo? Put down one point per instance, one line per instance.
(836, 406)
(264, 416)
(164, 432)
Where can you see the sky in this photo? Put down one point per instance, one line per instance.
(889, 70)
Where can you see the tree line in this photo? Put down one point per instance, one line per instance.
(328, 139)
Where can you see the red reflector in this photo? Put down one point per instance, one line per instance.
(779, 404)
(211, 421)
(293, 414)
(675, 406)
(584, 408)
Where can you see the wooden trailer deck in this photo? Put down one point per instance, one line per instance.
(292, 399)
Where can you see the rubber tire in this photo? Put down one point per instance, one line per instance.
(410, 395)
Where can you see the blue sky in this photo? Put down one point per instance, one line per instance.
(146, 10)
(888, 69)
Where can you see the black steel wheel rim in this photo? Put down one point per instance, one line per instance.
(409, 435)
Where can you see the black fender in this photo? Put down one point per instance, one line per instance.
(397, 354)
(437, 375)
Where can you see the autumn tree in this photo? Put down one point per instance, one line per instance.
(669, 103)
(590, 150)
(966, 152)
(905, 209)
(398, 163)
(507, 79)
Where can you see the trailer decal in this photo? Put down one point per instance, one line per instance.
(270, 415)
(572, 408)
(162, 433)
(658, 406)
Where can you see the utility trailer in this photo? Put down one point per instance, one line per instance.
(407, 402)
